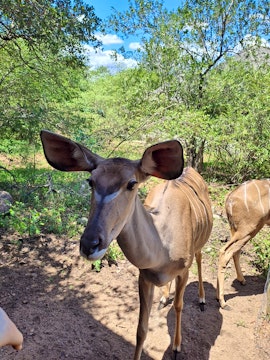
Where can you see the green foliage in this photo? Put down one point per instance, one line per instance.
(218, 193)
(45, 202)
(29, 221)
(13, 146)
(57, 25)
(261, 245)
(119, 108)
(240, 133)
(42, 63)
(34, 95)
(113, 254)
(97, 265)
(183, 48)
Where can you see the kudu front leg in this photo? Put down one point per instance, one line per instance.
(146, 294)
(180, 285)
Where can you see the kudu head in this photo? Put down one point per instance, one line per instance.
(114, 183)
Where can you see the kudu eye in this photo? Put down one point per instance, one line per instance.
(131, 184)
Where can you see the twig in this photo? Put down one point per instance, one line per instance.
(8, 171)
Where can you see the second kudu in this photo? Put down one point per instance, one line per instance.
(161, 240)
(248, 210)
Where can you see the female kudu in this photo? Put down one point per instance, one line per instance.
(248, 210)
(162, 241)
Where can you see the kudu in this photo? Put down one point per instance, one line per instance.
(162, 241)
(248, 210)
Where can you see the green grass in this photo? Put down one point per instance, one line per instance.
(45, 201)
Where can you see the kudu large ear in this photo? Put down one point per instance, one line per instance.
(66, 155)
(164, 160)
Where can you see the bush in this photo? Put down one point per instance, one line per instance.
(261, 244)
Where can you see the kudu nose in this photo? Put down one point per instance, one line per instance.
(89, 247)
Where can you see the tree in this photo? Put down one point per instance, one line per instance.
(185, 45)
(31, 98)
(52, 24)
(42, 60)
(239, 96)
(119, 108)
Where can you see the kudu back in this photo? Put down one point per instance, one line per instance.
(161, 238)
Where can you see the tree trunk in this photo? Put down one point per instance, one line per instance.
(195, 151)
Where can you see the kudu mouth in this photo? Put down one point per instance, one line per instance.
(92, 249)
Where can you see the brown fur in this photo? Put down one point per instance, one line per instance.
(248, 210)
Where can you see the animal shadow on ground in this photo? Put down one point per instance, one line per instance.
(38, 293)
(254, 285)
(199, 328)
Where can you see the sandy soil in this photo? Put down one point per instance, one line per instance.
(67, 311)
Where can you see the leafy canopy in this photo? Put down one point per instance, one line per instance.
(42, 61)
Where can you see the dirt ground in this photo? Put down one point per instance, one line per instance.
(67, 311)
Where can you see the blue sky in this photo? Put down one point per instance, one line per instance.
(103, 8)
(111, 42)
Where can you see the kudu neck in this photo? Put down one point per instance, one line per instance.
(140, 240)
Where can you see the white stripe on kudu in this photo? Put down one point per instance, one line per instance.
(259, 197)
(105, 199)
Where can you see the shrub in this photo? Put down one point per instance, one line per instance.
(261, 244)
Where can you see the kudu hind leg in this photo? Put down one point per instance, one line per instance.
(180, 285)
(239, 274)
(146, 294)
(231, 249)
(165, 298)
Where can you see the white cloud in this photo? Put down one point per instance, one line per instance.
(250, 41)
(80, 18)
(109, 39)
(109, 58)
(135, 46)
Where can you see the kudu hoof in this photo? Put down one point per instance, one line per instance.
(162, 304)
(224, 305)
(202, 304)
(176, 355)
